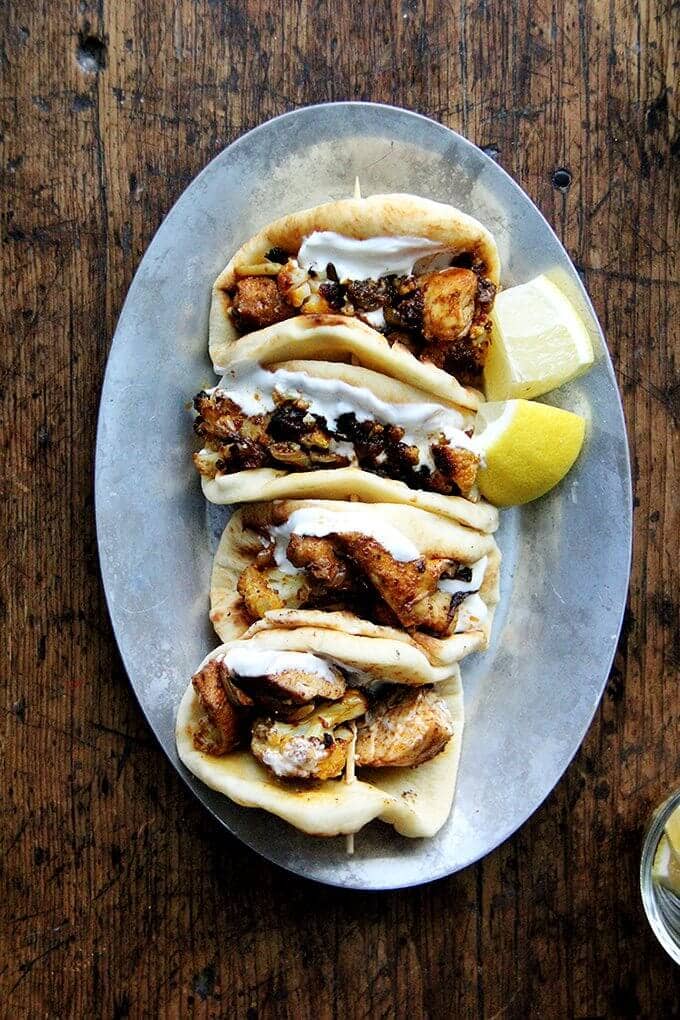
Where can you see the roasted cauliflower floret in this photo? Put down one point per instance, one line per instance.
(218, 416)
(293, 284)
(457, 463)
(317, 304)
(206, 462)
(313, 749)
(258, 597)
(409, 727)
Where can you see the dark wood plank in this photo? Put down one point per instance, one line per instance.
(121, 897)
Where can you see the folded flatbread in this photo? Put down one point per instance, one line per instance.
(341, 339)
(318, 428)
(391, 570)
(420, 273)
(416, 800)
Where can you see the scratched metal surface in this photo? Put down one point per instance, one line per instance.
(530, 697)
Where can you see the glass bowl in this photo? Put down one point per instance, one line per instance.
(662, 907)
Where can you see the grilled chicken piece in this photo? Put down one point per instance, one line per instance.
(314, 749)
(257, 596)
(435, 613)
(408, 728)
(236, 697)
(401, 585)
(258, 303)
(220, 731)
(448, 304)
(380, 612)
(321, 562)
(292, 687)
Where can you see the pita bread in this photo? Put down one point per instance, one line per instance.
(387, 388)
(416, 801)
(431, 534)
(258, 484)
(396, 215)
(344, 483)
(338, 338)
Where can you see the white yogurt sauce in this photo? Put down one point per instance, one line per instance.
(368, 259)
(375, 318)
(251, 387)
(471, 614)
(318, 523)
(246, 660)
(249, 661)
(452, 586)
(299, 753)
(472, 611)
(342, 448)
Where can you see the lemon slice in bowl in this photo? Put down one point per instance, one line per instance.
(526, 449)
(538, 342)
(672, 828)
(666, 869)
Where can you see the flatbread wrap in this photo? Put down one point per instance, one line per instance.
(342, 339)
(317, 428)
(313, 727)
(421, 274)
(404, 573)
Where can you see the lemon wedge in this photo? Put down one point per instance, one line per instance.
(539, 342)
(672, 828)
(526, 449)
(666, 869)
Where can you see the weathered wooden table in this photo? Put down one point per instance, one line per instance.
(120, 895)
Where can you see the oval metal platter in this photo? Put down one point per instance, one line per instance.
(530, 698)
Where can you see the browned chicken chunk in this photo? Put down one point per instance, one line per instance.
(220, 731)
(448, 304)
(435, 613)
(257, 303)
(321, 562)
(293, 284)
(403, 586)
(408, 728)
(293, 686)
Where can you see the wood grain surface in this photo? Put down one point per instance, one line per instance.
(120, 896)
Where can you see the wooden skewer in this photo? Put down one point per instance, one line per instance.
(350, 775)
